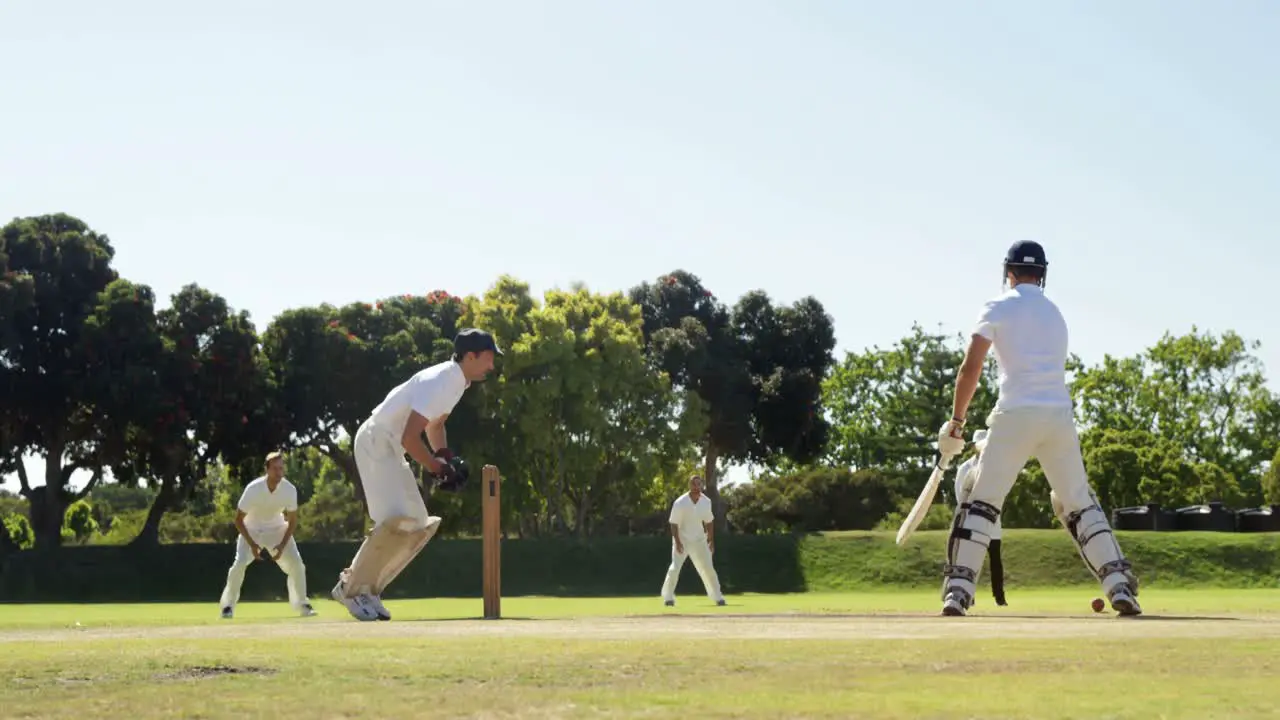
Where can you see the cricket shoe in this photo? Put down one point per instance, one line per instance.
(228, 613)
(375, 602)
(358, 606)
(306, 610)
(955, 604)
(1124, 602)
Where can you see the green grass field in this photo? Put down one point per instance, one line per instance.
(1206, 654)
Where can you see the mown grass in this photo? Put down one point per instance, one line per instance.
(284, 669)
(1046, 601)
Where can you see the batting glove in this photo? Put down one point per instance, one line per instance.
(951, 438)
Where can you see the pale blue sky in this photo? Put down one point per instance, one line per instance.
(880, 156)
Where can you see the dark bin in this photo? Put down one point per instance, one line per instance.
(1143, 517)
(1263, 519)
(1212, 517)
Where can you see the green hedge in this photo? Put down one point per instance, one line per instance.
(635, 566)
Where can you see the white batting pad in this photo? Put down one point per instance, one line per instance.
(386, 552)
(1094, 539)
(971, 534)
(418, 539)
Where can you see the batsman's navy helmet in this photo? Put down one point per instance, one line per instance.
(1026, 254)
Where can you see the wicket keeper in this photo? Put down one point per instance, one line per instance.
(402, 526)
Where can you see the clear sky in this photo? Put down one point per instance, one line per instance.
(878, 155)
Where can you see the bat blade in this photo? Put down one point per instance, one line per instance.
(923, 502)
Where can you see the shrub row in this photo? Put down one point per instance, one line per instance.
(634, 566)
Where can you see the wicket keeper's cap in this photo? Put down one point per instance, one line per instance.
(1026, 252)
(475, 340)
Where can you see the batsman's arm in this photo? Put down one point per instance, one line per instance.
(969, 376)
(412, 442)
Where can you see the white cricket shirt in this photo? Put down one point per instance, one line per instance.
(431, 393)
(263, 508)
(1029, 337)
(688, 517)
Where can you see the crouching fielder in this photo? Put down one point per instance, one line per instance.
(266, 517)
(966, 475)
(692, 525)
(401, 525)
(1033, 417)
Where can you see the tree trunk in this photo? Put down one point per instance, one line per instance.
(711, 483)
(49, 503)
(150, 533)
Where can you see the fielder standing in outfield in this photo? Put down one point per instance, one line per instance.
(692, 524)
(966, 476)
(402, 526)
(1033, 417)
(266, 517)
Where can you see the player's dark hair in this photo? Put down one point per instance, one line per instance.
(1027, 273)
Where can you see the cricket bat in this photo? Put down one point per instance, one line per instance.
(921, 508)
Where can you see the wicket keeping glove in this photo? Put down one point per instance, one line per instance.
(453, 473)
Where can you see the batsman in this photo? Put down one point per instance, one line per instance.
(401, 525)
(1033, 417)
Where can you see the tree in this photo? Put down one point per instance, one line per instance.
(593, 422)
(887, 405)
(80, 525)
(332, 366)
(1271, 481)
(1135, 467)
(757, 370)
(15, 532)
(17, 292)
(212, 401)
(1205, 393)
(812, 500)
(77, 353)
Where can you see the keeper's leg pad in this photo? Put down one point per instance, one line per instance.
(1091, 532)
(386, 552)
(967, 548)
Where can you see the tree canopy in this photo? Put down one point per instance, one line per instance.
(603, 405)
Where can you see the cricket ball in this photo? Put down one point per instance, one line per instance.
(1098, 605)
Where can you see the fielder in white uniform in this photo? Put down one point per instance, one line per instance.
(266, 517)
(692, 524)
(402, 526)
(966, 476)
(1033, 417)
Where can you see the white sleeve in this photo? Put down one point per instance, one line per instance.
(674, 518)
(988, 320)
(244, 503)
(707, 515)
(292, 504)
(436, 396)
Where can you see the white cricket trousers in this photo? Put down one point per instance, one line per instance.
(700, 554)
(1017, 435)
(290, 561)
(390, 487)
